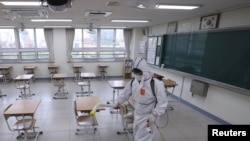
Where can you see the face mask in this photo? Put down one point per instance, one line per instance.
(138, 77)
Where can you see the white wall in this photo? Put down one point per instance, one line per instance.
(228, 105)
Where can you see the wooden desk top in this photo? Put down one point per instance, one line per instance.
(29, 67)
(88, 75)
(102, 65)
(23, 77)
(60, 75)
(5, 66)
(77, 65)
(169, 83)
(23, 107)
(52, 66)
(118, 84)
(86, 104)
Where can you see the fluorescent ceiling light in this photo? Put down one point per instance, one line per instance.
(131, 21)
(113, 27)
(56, 26)
(51, 20)
(18, 3)
(7, 26)
(180, 7)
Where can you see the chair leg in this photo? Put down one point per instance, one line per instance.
(82, 92)
(61, 94)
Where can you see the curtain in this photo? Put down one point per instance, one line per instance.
(48, 34)
(70, 34)
(127, 33)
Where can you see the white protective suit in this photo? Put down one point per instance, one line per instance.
(144, 103)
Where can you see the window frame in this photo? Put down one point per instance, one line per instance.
(98, 50)
(19, 51)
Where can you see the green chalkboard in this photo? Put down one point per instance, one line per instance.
(223, 56)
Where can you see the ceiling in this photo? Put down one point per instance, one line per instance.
(125, 10)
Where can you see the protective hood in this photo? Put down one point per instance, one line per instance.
(140, 63)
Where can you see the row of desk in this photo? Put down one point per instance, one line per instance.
(59, 77)
(5, 71)
(77, 71)
(22, 83)
(53, 69)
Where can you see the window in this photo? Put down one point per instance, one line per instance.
(27, 46)
(7, 39)
(103, 45)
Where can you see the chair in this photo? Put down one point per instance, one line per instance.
(22, 124)
(77, 71)
(24, 88)
(127, 119)
(102, 71)
(2, 95)
(169, 87)
(61, 93)
(82, 92)
(3, 77)
(84, 120)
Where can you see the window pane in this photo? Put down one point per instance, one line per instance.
(84, 55)
(78, 38)
(106, 54)
(90, 55)
(28, 55)
(9, 56)
(40, 39)
(76, 55)
(119, 40)
(43, 55)
(27, 38)
(120, 54)
(107, 38)
(89, 40)
(7, 38)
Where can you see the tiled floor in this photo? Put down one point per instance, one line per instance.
(56, 118)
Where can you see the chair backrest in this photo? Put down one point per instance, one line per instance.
(123, 109)
(126, 115)
(6, 116)
(75, 111)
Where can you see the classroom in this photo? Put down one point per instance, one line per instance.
(208, 63)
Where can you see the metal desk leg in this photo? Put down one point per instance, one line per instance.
(89, 87)
(112, 110)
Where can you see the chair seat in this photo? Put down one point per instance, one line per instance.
(85, 120)
(59, 84)
(24, 124)
(128, 120)
(23, 86)
(82, 83)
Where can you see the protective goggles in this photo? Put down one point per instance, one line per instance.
(137, 71)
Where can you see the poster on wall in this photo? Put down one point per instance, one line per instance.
(142, 47)
(152, 43)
